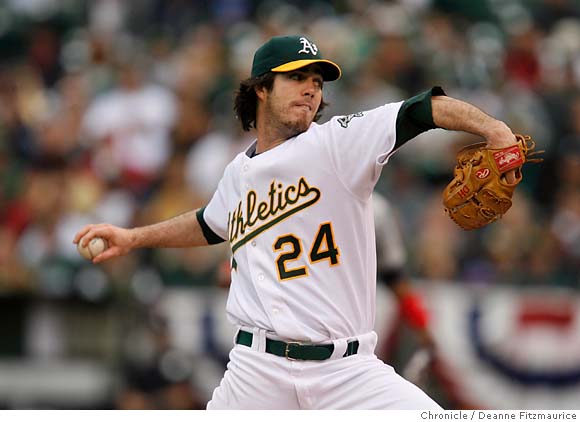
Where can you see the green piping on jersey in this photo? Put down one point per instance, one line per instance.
(416, 116)
(211, 237)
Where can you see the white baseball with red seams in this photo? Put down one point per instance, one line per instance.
(96, 246)
(299, 219)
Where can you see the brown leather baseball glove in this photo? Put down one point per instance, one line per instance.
(479, 192)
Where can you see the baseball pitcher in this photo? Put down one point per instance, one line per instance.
(297, 212)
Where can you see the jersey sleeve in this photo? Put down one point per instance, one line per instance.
(360, 144)
(213, 218)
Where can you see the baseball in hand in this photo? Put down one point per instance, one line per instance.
(95, 247)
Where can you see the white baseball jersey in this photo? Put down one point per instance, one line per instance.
(299, 219)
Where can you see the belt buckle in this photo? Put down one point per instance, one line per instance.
(286, 350)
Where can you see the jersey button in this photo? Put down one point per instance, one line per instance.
(253, 243)
(275, 311)
(246, 167)
(260, 276)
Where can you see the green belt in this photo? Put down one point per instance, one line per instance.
(297, 351)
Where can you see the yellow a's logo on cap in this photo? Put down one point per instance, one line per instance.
(308, 47)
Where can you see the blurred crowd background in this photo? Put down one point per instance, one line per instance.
(120, 111)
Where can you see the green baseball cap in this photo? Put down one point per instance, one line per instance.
(287, 53)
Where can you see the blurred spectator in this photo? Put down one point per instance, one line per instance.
(511, 241)
(565, 226)
(436, 262)
(522, 63)
(207, 159)
(43, 52)
(129, 127)
(44, 201)
(155, 375)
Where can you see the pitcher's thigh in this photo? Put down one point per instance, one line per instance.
(366, 383)
(254, 381)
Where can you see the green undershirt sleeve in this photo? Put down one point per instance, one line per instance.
(416, 116)
(208, 233)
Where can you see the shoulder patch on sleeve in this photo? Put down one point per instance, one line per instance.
(345, 120)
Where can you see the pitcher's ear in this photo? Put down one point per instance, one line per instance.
(261, 92)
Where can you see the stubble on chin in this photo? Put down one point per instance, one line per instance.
(296, 128)
(288, 127)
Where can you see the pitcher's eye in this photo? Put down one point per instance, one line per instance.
(295, 76)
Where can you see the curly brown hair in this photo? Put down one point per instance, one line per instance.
(246, 100)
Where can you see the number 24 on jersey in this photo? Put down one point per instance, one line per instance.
(323, 248)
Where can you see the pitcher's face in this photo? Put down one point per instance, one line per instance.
(294, 100)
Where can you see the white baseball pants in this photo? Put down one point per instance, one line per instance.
(255, 379)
